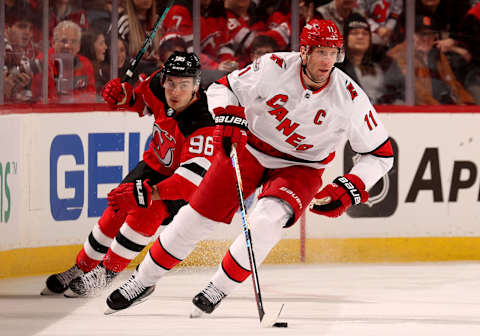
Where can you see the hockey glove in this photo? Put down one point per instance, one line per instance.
(337, 197)
(231, 128)
(116, 93)
(128, 196)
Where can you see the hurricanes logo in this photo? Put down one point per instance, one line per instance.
(163, 145)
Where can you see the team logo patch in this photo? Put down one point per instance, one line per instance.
(163, 145)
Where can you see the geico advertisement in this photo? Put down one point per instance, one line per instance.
(72, 161)
(433, 188)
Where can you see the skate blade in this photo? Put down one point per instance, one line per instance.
(71, 294)
(196, 313)
(47, 291)
(111, 311)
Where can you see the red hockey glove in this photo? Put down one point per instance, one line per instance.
(231, 128)
(128, 196)
(116, 93)
(336, 198)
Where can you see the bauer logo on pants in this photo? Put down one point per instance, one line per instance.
(383, 200)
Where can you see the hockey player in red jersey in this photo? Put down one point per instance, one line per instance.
(286, 113)
(172, 167)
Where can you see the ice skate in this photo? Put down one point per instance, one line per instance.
(58, 283)
(207, 300)
(91, 283)
(129, 294)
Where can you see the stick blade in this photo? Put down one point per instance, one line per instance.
(271, 320)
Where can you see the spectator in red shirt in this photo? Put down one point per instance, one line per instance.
(71, 77)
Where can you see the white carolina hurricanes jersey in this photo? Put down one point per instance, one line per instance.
(306, 125)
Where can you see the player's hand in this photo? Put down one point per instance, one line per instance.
(128, 196)
(231, 128)
(116, 93)
(337, 197)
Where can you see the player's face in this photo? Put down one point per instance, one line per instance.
(319, 64)
(179, 91)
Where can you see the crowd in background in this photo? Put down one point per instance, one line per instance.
(235, 32)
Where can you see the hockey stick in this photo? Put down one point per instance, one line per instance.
(264, 321)
(134, 62)
(246, 231)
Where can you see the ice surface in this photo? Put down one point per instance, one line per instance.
(328, 299)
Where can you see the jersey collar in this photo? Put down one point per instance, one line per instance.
(319, 89)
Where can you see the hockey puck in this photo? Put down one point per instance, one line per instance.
(280, 325)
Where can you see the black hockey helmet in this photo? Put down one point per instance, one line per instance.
(182, 64)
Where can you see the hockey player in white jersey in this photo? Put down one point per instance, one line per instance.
(286, 113)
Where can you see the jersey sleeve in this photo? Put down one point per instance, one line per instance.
(369, 138)
(237, 88)
(196, 158)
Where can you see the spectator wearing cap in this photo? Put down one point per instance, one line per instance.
(435, 82)
(448, 15)
(359, 63)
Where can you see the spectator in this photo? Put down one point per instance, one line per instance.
(169, 43)
(123, 62)
(12, 7)
(435, 82)
(338, 10)
(61, 10)
(261, 45)
(448, 13)
(104, 23)
(94, 48)
(359, 64)
(70, 76)
(242, 29)
(470, 33)
(382, 17)
(179, 19)
(136, 24)
(20, 51)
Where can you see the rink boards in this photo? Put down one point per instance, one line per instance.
(56, 168)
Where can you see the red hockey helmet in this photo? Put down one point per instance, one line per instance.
(323, 33)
